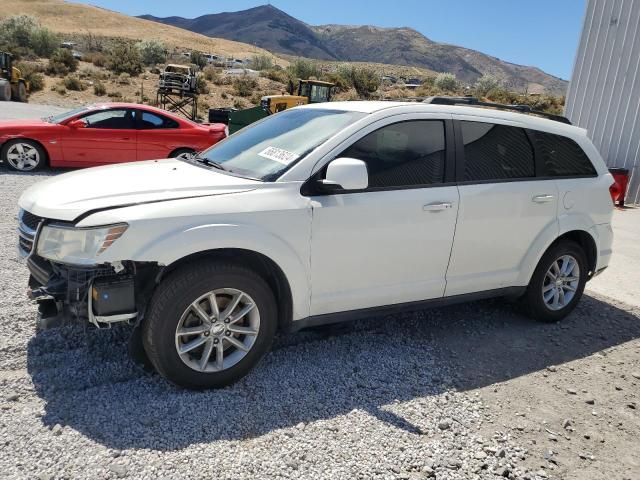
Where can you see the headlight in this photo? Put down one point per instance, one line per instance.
(79, 246)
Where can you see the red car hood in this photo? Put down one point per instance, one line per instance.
(32, 122)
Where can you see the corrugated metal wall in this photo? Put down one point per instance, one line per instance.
(604, 93)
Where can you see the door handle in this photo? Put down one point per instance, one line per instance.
(542, 198)
(437, 206)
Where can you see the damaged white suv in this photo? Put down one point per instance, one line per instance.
(319, 214)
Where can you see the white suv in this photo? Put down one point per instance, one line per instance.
(319, 214)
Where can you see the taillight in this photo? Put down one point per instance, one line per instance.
(614, 191)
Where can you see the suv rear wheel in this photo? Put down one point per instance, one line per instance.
(209, 324)
(558, 282)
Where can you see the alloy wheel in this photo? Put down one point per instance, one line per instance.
(23, 157)
(561, 282)
(217, 330)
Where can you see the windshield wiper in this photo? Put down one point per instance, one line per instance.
(209, 162)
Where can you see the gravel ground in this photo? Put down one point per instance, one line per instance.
(466, 392)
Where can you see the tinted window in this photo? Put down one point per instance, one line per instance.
(151, 120)
(402, 154)
(562, 156)
(116, 119)
(496, 152)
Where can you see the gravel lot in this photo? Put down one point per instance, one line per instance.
(472, 391)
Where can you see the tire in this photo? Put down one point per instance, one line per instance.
(181, 151)
(171, 312)
(5, 91)
(23, 155)
(540, 305)
(22, 93)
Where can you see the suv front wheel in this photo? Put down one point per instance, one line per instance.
(209, 324)
(557, 283)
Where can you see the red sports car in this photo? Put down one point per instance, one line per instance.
(102, 134)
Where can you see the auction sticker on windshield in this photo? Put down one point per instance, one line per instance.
(279, 155)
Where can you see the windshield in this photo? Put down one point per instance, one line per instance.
(61, 117)
(267, 149)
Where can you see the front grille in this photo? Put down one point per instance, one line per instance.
(30, 220)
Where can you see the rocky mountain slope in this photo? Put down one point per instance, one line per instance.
(274, 30)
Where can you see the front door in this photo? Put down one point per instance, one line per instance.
(108, 137)
(504, 207)
(390, 243)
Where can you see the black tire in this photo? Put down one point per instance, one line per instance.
(533, 298)
(42, 154)
(181, 151)
(5, 91)
(22, 93)
(174, 295)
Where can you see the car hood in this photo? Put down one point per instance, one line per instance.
(67, 196)
(16, 124)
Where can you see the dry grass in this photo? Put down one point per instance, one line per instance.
(72, 18)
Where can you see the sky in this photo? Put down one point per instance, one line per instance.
(542, 33)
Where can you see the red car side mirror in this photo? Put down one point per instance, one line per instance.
(77, 123)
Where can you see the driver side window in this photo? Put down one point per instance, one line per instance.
(119, 119)
(403, 154)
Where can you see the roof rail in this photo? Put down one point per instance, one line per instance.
(474, 102)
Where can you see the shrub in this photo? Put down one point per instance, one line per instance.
(304, 69)
(224, 95)
(485, 84)
(32, 74)
(261, 62)
(97, 58)
(44, 42)
(446, 82)
(99, 89)
(73, 83)
(211, 74)
(276, 75)
(244, 85)
(114, 94)
(364, 80)
(201, 85)
(198, 59)
(124, 57)
(60, 89)
(124, 79)
(238, 103)
(23, 36)
(342, 84)
(152, 52)
(62, 62)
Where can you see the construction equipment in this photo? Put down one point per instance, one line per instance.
(12, 85)
(309, 91)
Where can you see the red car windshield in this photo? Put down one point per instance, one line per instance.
(61, 117)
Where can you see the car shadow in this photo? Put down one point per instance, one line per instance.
(89, 384)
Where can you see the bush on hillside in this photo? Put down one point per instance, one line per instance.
(201, 85)
(446, 82)
(275, 75)
(364, 80)
(62, 62)
(485, 84)
(211, 74)
(152, 52)
(99, 89)
(22, 34)
(261, 62)
(124, 57)
(73, 83)
(198, 59)
(245, 85)
(304, 69)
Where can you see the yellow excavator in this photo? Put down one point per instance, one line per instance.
(309, 91)
(12, 85)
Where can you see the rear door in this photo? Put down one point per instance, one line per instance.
(158, 136)
(503, 209)
(109, 137)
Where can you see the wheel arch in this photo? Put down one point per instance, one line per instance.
(173, 152)
(264, 266)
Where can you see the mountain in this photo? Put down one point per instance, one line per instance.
(276, 31)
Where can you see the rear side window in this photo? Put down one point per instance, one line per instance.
(403, 154)
(563, 157)
(496, 152)
(151, 121)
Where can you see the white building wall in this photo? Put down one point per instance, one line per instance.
(604, 92)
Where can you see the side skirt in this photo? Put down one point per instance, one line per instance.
(328, 318)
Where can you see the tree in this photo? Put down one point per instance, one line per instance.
(446, 82)
(152, 52)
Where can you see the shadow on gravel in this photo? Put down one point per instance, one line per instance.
(90, 384)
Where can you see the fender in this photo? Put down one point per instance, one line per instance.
(178, 244)
(566, 222)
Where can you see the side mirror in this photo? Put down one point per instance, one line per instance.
(77, 123)
(346, 174)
